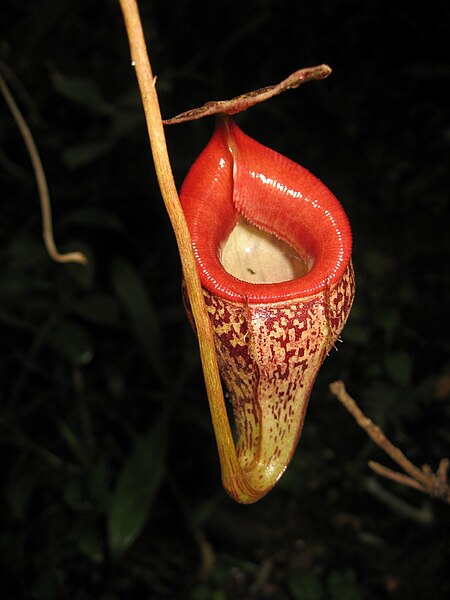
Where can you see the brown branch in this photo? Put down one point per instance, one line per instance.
(434, 484)
(249, 99)
(396, 476)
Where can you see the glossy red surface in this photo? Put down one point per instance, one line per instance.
(235, 175)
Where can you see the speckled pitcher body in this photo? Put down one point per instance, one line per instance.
(273, 248)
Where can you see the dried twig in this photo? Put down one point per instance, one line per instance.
(249, 99)
(424, 480)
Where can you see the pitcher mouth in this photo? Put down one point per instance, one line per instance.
(256, 256)
(236, 179)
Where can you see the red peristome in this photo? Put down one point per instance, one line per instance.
(234, 176)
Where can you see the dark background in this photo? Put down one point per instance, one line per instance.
(110, 479)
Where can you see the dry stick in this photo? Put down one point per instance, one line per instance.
(232, 475)
(396, 476)
(44, 197)
(425, 480)
(249, 99)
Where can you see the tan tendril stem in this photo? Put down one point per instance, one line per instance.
(233, 478)
(44, 196)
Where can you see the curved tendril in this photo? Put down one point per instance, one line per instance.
(44, 196)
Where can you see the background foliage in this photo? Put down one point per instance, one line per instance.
(110, 480)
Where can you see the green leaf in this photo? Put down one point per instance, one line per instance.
(24, 253)
(136, 487)
(378, 400)
(204, 592)
(99, 483)
(305, 585)
(82, 91)
(72, 341)
(389, 320)
(19, 493)
(342, 585)
(98, 308)
(356, 333)
(124, 122)
(93, 217)
(90, 543)
(74, 442)
(133, 296)
(48, 584)
(376, 262)
(399, 367)
(76, 497)
(83, 154)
